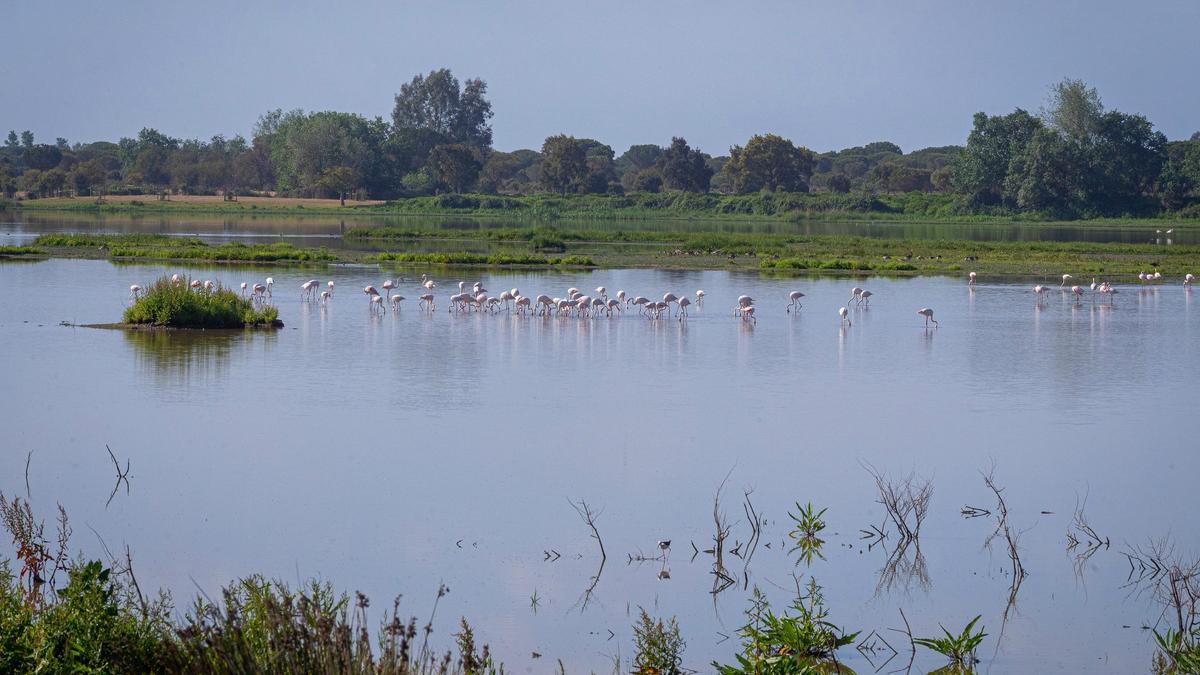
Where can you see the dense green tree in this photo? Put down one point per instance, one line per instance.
(1124, 160)
(1074, 110)
(634, 160)
(303, 146)
(437, 103)
(11, 141)
(1042, 175)
(455, 166)
(980, 170)
(564, 163)
(508, 172)
(27, 139)
(769, 162)
(339, 180)
(838, 183)
(942, 179)
(684, 168)
(87, 177)
(648, 180)
(43, 157)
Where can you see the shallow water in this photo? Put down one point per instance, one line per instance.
(388, 454)
(18, 228)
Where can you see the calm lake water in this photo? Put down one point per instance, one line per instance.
(390, 454)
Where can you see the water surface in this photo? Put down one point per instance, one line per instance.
(390, 454)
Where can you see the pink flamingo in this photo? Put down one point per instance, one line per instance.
(845, 314)
(795, 296)
(971, 278)
(928, 314)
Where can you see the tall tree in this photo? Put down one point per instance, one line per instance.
(980, 170)
(437, 103)
(564, 163)
(455, 166)
(1074, 110)
(684, 168)
(11, 141)
(769, 162)
(340, 180)
(27, 138)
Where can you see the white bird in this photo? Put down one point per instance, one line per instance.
(1039, 289)
(745, 301)
(1188, 279)
(396, 300)
(620, 296)
(683, 305)
(175, 279)
(270, 284)
(427, 300)
(845, 314)
(600, 292)
(377, 301)
(856, 294)
(795, 296)
(865, 297)
(195, 284)
(971, 278)
(134, 290)
(748, 313)
(325, 296)
(1077, 292)
(1065, 279)
(699, 296)
(243, 289)
(308, 289)
(928, 314)
(330, 286)
(371, 295)
(388, 285)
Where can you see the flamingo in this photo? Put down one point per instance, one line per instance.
(1188, 279)
(865, 297)
(427, 300)
(505, 296)
(856, 294)
(175, 279)
(325, 296)
(396, 300)
(1065, 279)
(642, 302)
(377, 301)
(620, 296)
(844, 313)
(699, 296)
(1094, 286)
(572, 292)
(683, 305)
(195, 284)
(371, 295)
(1077, 292)
(1039, 289)
(308, 289)
(388, 285)
(971, 279)
(259, 291)
(330, 286)
(243, 289)
(134, 290)
(613, 304)
(600, 292)
(270, 284)
(544, 303)
(669, 298)
(1143, 277)
(523, 303)
(928, 314)
(795, 296)
(1158, 276)
(748, 314)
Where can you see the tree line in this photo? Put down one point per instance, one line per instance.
(1072, 159)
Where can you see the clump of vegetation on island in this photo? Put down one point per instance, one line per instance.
(164, 247)
(176, 305)
(6, 251)
(485, 260)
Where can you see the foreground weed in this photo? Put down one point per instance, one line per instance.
(658, 647)
(809, 522)
(1180, 653)
(960, 649)
(802, 643)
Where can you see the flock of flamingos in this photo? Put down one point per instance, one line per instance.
(578, 304)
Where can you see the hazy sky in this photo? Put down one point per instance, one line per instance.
(825, 74)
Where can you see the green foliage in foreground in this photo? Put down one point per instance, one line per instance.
(1180, 652)
(480, 259)
(179, 306)
(960, 649)
(658, 647)
(801, 643)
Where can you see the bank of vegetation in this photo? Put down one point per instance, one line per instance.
(1076, 159)
(175, 304)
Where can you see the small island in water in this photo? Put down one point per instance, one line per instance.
(174, 302)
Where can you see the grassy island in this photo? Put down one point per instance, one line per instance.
(176, 305)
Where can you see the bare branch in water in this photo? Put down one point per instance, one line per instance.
(121, 476)
(589, 517)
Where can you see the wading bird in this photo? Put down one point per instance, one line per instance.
(396, 300)
(845, 314)
(243, 289)
(855, 294)
(134, 290)
(1077, 292)
(971, 278)
(427, 300)
(330, 286)
(1188, 279)
(1065, 279)
(795, 296)
(270, 284)
(388, 285)
(1039, 289)
(308, 290)
(928, 314)
(865, 297)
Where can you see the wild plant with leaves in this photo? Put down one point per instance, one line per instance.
(809, 522)
(802, 643)
(658, 647)
(960, 649)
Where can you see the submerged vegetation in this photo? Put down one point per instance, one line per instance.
(177, 305)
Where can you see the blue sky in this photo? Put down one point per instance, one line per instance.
(825, 74)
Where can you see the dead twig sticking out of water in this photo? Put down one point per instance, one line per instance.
(28, 458)
(1173, 580)
(755, 521)
(905, 499)
(1012, 541)
(721, 578)
(443, 589)
(874, 647)
(911, 643)
(589, 517)
(1081, 533)
(121, 476)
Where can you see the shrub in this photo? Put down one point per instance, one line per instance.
(658, 647)
(178, 306)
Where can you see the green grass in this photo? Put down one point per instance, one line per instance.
(482, 260)
(174, 305)
(20, 250)
(164, 247)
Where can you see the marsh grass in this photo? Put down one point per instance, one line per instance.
(658, 646)
(173, 305)
(479, 259)
(20, 250)
(164, 247)
(803, 642)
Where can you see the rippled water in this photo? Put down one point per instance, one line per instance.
(389, 454)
